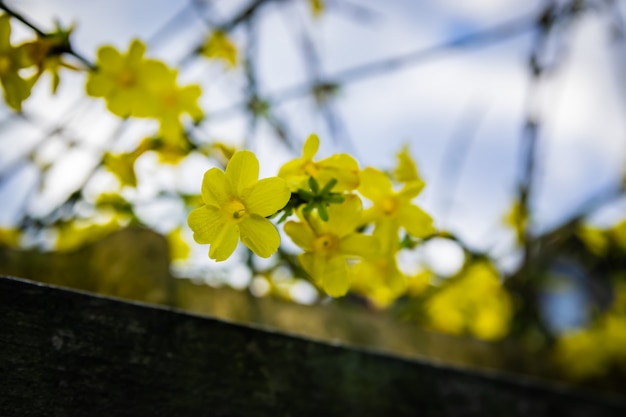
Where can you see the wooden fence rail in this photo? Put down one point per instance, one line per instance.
(66, 353)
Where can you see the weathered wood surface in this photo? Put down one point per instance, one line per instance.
(64, 353)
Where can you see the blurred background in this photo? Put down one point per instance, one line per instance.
(512, 110)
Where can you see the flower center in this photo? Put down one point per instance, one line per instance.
(388, 205)
(311, 168)
(5, 64)
(169, 99)
(325, 244)
(126, 79)
(234, 210)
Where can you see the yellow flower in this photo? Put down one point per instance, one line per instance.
(341, 167)
(123, 80)
(122, 166)
(235, 206)
(406, 170)
(45, 52)
(171, 102)
(377, 277)
(517, 219)
(219, 46)
(9, 236)
(328, 244)
(397, 206)
(178, 247)
(474, 301)
(317, 7)
(12, 60)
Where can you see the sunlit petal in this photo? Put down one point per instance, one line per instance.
(344, 218)
(301, 234)
(375, 185)
(311, 146)
(204, 222)
(415, 221)
(242, 172)
(335, 279)
(357, 244)
(214, 188)
(259, 235)
(267, 196)
(225, 241)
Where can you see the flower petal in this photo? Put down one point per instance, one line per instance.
(214, 188)
(335, 281)
(259, 235)
(415, 220)
(267, 196)
(5, 33)
(375, 185)
(242, 172)
(225, 241)
(301, 234)
(310, 147)
(357, 244)
(204, 222)
(343, 168)
(344, 218)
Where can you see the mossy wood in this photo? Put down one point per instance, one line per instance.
(65, 353)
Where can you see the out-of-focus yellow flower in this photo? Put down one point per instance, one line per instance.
(122, 166)
(406, 169)
(235, 206)
(73, 235)
(342, 167)
(171, 102)
(317, 7)
(618, 233)
(123, 80)
(396, 206)
(178, 248)
(581, 355)
(377, 277)
(219, 46)
(9, 236)
(417, 283)
(12, 60)
(517, 219)
(594, 239)
(328, 244)
(473, 302)
(45, 52)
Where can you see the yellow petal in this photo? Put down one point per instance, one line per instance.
(225, 241)
(301, 234)
(406, 170)
(98, 85)
(415, 221)
(109, 59)
(358, 244)
(375, 185)
(343, 168)
(310, 147)
(259, 235)
(242, 172)
(5, 33)
(411, 189)
(267, 196)
(344, 218)
(214, 188)
(204, 222)
(335, 281)
(119, 104)
(136, 51)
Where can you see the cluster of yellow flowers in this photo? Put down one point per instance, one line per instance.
(592, 351)
(329, 222)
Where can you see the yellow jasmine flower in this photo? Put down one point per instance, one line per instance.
(397, 206)
(377, 277)
(12, 60)
(219, 46)
(328, 244)
(474, 301)
(317, 7)
(45, 52)
(9, 236)
(122, 166)
(342, 167)
(236, 205)
(123, 79)
(178, 247)
(517, 219)
(406, 170)
(171, 102)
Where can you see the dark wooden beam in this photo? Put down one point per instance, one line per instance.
(66, 353)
